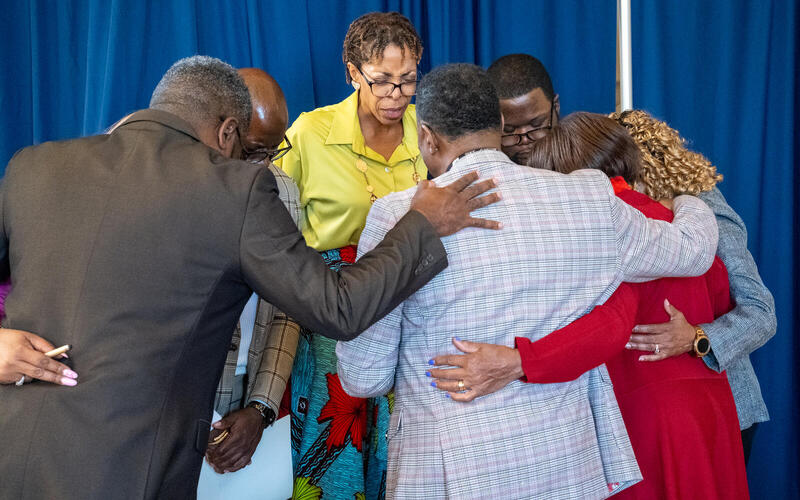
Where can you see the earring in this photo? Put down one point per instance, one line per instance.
(356, 85)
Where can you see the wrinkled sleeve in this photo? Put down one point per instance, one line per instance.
(651, 249)
(587, 342)
(366, 365)
(752, 321)
(276, 361)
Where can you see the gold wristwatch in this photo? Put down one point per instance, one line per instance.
(701, 343)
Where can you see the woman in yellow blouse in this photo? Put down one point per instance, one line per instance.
(343, 158)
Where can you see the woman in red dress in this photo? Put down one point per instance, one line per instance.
(680, 414)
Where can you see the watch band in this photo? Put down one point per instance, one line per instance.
(266, 412)
(702, 345)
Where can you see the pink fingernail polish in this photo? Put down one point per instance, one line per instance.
(70, 374)
(68, 381)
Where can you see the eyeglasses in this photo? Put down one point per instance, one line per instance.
(259, 155)
(532, 135)
(385, 89)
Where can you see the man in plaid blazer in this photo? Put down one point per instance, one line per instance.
(259, 362)
(566, 244)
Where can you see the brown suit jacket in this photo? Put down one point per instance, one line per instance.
(273, 344)
(140, 249)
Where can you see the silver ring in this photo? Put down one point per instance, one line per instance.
(658, 349)
(20, 381)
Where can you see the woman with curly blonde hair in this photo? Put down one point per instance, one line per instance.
(680, 414)
(668, 167)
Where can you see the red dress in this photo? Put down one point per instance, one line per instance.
(680, 414)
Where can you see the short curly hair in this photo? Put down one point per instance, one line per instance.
(369, 35)
(588, 140)
(204, 88)
(514, 75)
(458, 99)
(669, 168)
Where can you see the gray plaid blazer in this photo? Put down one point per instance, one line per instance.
(566, 244)
(274, 341)
(749, 325)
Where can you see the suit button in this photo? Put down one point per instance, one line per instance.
(233, 346)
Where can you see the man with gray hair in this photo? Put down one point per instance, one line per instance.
(567, 243)
(139, 248)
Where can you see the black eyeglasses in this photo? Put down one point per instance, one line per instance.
(385, 89)
(532, 135)
(259, 155)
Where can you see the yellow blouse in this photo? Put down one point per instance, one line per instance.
(326, 161)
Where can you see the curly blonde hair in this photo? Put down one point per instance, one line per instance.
(668, 168)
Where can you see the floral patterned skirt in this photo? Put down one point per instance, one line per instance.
(338, 441)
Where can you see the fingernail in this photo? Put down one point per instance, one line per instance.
(499, 195)
(427, 374)
(433, 384)
(68, 381)
(64, 355)
(641, 358)
(70, 374)
(447, 395)
(430, 362)
(457, 338)
(628, 345)
(499, 225)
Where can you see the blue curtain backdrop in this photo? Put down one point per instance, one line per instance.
(721, 71)
(74, 67)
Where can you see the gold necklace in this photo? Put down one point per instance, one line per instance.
(362, 167)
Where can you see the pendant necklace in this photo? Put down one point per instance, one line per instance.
(362, 167)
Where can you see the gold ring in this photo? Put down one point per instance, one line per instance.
(217, 440)
(460, 385)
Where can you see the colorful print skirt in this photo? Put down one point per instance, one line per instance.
(338, 441)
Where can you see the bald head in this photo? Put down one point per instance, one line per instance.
(270, 116)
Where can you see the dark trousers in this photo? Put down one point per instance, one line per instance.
(747, 441)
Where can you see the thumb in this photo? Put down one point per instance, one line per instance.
(224, 423)
(38, 342)
(671, 311)
(465, 345)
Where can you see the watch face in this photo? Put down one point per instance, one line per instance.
(703, 345)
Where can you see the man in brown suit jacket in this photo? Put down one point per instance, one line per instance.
(139, 248)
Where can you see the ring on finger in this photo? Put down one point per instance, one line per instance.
(220, 438)
(21, 381)
(657, 350)
(460, 385)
